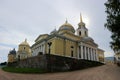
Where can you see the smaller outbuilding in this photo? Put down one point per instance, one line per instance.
(12, 56)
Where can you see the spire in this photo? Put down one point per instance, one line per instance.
(66, 21)
(81, 23)
(80, 17)
(25, 40)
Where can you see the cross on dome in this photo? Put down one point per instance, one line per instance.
(25, 39)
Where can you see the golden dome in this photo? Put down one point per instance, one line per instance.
(67, 26)
(25, 43)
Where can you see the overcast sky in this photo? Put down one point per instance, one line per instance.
(20, 19)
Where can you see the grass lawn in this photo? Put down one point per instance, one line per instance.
(24, 70)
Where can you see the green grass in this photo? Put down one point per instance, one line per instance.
(24, 70)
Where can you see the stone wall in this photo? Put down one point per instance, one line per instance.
(60, 63)
(33, 62)
(55, 63)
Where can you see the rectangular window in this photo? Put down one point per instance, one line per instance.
(72, 53)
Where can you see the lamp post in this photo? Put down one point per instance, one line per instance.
(49, 60)
(49, 45)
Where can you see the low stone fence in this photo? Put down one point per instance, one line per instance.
(33, 62)
(55, 63)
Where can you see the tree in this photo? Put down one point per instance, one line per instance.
(3, 63)
(113, 22)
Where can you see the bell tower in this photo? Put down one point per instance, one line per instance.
(82, 31)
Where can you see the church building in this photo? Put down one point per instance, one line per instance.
(68, 44)
(24, 50)
(12, 56)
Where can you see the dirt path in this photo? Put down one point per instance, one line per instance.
(106, 72)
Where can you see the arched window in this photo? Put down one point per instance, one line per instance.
(24, 48)
(80, 33)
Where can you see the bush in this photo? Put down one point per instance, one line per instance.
(4, 63)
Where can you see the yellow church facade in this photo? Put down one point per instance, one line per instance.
(101, 55)
(24, 50)
(66, 43)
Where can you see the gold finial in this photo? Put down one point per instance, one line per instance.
(66, 21)
(80, 17)
(25, 40)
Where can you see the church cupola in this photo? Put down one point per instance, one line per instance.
(67, 27)
(24, 50)
(82, 31)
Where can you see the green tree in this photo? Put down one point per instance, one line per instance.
(113, 22)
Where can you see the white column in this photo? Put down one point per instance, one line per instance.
(81, 47)
(85, 52)
(88, 53)
(78, 51)
(92, 54)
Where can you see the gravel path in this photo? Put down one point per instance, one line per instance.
(105, 72)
